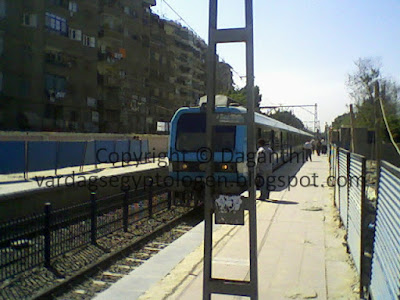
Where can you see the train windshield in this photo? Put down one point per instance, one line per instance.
(191, 134)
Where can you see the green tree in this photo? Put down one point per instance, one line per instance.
(239, 95)
(342, 120)
(361, 89)
(288, 118)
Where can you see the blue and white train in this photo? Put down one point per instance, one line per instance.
(188, 155)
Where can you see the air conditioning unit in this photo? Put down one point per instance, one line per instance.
(60, 94)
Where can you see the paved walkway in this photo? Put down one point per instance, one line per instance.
(301, 253)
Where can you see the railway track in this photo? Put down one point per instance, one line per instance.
(81, 273)
(105, 277)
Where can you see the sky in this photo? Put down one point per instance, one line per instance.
(304, 49)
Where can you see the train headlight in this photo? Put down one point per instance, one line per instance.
(227, 167)
(180, 166)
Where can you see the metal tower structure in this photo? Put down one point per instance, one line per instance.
(230, 35)
(316, 124)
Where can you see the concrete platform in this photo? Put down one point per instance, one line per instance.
(20, 197)
(301, 252)
(15, 184)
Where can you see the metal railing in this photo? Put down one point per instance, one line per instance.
(36, 240)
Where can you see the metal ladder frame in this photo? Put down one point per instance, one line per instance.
(230, 35)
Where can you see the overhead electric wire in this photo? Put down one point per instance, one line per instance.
(187, 24)
(387, 126)
(179, 16)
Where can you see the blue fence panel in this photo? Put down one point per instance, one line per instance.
(385, 280)
(145, 146)
(122, 149)
(356, 197)
(145, 149)
(90, 153)
(343, 186)
(135, 149)
(41, 156)
(104, 150)
(51, 155)
(12, 157)
(70, 154)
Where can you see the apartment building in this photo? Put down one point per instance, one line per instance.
(187, 54)
(96, 66)
(48, 65)
(123, 66)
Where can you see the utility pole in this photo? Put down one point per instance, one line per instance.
(378, 140)
(352, 143)
(316, 118)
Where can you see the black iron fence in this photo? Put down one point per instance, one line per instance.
(36, 240)
(381, 278)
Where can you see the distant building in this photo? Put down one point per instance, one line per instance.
(224, 82)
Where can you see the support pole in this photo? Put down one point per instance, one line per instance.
(377, 135)
(209, 197)
(232, 35)
(352, 144)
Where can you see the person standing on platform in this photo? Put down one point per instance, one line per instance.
(324, 146)
(319, 147)
(308, 150)
(264, 167)
(313, 146)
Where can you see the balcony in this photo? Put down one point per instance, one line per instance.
(108, 81)
(149, 2)
(56, 58)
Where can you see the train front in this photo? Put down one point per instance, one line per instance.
(188, 154)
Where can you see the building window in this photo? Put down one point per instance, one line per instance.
(2, 9)
(95, 116)
(91, 102)
(56, 24)
(30, 20)
(73, 6)
(55, 84)
(75, 34)
(89, 41)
